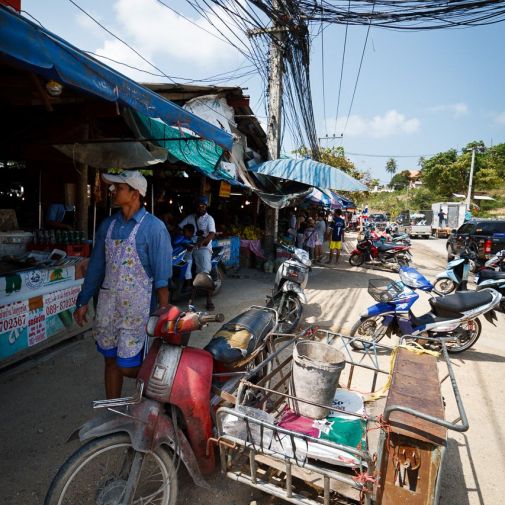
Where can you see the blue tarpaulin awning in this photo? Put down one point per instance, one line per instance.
(309, 172)
(48, 55)
(329, 199)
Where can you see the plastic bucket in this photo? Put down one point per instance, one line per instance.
(316, 371)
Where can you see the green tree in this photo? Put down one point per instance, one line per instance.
(400, 180)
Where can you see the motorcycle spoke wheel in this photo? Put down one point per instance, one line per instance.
(465, 336)
(98, 472)
(290, 312)
(444, 286)
(370, 329)
(356, 260)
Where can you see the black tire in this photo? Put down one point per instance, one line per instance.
(218, 281)
(75, 466)
(474, 328)
(289, 314)
(367, 328)
(356, 260)
(444, 286)
(403, 261)
(176, 290)
(450, 253)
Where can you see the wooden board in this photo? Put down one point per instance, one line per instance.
(416, 385)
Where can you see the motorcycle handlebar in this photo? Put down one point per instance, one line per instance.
(212, 318)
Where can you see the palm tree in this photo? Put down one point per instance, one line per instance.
(391, 166)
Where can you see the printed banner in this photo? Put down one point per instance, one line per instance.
(26, 323)
(34, 280)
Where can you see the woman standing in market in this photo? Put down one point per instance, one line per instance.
(321, 233)
(130, 261)
(311, 237)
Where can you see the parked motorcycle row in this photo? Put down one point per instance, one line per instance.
(385, 248)
(133, 449)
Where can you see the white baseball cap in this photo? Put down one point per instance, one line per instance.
(133, 178)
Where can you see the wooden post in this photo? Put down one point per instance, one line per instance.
(82, 191)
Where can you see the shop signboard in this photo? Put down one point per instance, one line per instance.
(231, 250)
(224, 189)
(26, 323)
(30, 282)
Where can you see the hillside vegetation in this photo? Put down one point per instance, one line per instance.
(442, 175)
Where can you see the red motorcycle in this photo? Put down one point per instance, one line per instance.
(379, 251)
(133, 449)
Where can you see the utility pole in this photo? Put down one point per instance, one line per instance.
(278, 35)
(470, 181)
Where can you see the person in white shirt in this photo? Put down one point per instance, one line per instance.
(205, 231)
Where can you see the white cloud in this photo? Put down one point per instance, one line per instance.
(167, 39)
(86, 23)
(390, 124)
(457, 110)
(500, 118)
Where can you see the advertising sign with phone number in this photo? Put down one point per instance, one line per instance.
(29, 322)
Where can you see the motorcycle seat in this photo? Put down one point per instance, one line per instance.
(386, 246)
(452, 305)
(240, 336)
(486, 275)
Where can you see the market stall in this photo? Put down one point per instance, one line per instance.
(36, 305)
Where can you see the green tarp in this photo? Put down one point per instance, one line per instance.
(202, 154)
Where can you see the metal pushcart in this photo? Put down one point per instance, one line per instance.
(404, 439)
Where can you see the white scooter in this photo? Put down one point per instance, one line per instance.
(288, 294)
(493, 276)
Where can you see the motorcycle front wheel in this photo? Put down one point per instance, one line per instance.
(444, 286)
(403, 261)
(97, 474)
(356, 260)
(217, 277)
(290, 310)
(465, 335)
(370, 329)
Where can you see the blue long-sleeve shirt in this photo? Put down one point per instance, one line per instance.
(153, 247)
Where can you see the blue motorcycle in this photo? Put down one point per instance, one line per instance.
(453, 318)
(181, 256)
(455, 276)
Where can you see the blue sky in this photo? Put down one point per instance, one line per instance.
(419, 92)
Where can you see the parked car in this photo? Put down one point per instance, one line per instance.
(484, 237)
(379, 220)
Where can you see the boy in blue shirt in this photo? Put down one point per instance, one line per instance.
(336, 236)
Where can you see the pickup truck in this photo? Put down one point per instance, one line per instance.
(416, 224)
(485, 237)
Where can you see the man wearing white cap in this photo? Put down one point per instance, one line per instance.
(131, 258)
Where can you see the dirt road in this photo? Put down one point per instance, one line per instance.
(44, 400)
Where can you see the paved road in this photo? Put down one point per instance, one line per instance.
(45, 399)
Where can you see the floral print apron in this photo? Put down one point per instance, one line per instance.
(124, 301)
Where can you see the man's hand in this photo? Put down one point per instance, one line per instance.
(80, 315)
